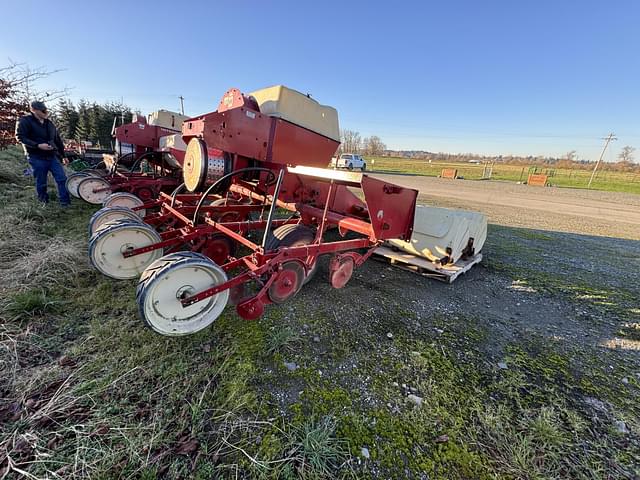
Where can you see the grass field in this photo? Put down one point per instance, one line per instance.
(320, 387)
(572, 178)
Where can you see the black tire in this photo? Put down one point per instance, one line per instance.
(222, 202)
(159, 263)
(109, 228)
(157, 269)
(364, 167)
(127, 214)
(293, 235)
(114, 223)
(350, 167)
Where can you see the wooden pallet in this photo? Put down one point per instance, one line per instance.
(427, 268)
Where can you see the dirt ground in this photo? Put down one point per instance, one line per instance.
(610, 214)
(526, 367)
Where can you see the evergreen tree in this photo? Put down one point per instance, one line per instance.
(82, 128)
(67, 119)
(94, 123)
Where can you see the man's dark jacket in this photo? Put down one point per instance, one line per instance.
(30, 133)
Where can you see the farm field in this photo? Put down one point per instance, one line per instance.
(571, 178)
(526, 367)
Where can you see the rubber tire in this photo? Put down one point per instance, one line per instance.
(128, 214)
(155, 270)
(74, 192)
(290, 235)
(116, 195)
(350, 167)
(221, 202)
(108, 228)
(364, 167)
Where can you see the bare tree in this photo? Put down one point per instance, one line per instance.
(24, 80)
(350, 141)
(626, 155)
(373, 145)
(18, 87)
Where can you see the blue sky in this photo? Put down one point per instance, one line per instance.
(494, 76)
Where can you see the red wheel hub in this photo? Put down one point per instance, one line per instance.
(287, 283)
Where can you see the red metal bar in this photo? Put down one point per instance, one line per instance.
(235, 188)
(236, 236)
(154, 246)
(274, 259)
(178, 215)
(343, 222)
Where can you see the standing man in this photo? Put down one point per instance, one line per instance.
(43, 146)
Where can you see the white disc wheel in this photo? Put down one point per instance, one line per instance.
(94, 190)
(109, 214)
(109, 243)
(73, 180)
(125, 199)
(172, 278)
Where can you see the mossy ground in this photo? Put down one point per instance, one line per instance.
(89, 392)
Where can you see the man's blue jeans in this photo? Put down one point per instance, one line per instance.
(41, 167)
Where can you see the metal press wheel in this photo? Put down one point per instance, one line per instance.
(94, 190)
(109, 214)
(73, 180)
(169, 280)
(288, 282)
(108, 244)
(125, 199)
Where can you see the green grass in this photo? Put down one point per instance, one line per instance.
(88, 392)
(571, 178)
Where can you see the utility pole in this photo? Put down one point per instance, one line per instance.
(607, 140)
(181, 104)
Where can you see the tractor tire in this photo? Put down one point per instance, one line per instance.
(108, 214)
(160, 310)
(105, 251)
(293, 235)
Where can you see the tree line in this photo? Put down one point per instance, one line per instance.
(90, 122)
(352, 142)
